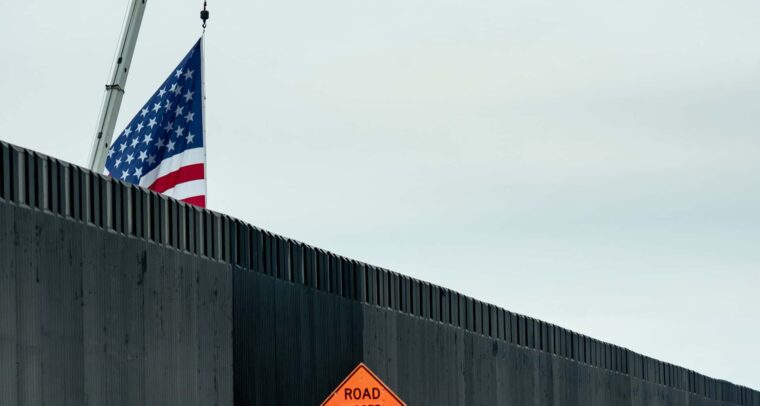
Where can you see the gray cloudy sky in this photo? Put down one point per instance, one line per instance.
(589, 163)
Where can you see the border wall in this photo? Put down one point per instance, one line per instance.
(111, 294)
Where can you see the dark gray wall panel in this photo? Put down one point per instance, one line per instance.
(436, 364)
(93, 317)
(292, 344)
(8, 309)
(214, 332)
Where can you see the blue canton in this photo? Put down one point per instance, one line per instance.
(170, 123)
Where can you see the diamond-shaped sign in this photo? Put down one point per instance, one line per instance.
(364, 388)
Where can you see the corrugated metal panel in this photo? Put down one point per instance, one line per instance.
(9, 378)
(101, 319)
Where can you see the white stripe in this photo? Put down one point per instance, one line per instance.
(187, 189)
(169, 165)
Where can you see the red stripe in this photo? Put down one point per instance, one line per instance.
(199, 201)
(181, 175)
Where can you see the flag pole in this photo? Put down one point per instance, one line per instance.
(115, 87)
(204, 17)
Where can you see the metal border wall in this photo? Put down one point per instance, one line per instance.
(33, 180)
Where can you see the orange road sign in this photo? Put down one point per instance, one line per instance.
(362, 388)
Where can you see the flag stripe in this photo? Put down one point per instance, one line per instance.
(183, 174)
(187, 189)
(169, 165)
(196, 200)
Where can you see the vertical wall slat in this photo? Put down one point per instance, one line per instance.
(5, 172)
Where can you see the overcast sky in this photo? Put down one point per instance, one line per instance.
(594, 164)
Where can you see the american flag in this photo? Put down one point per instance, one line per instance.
(163, 147)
